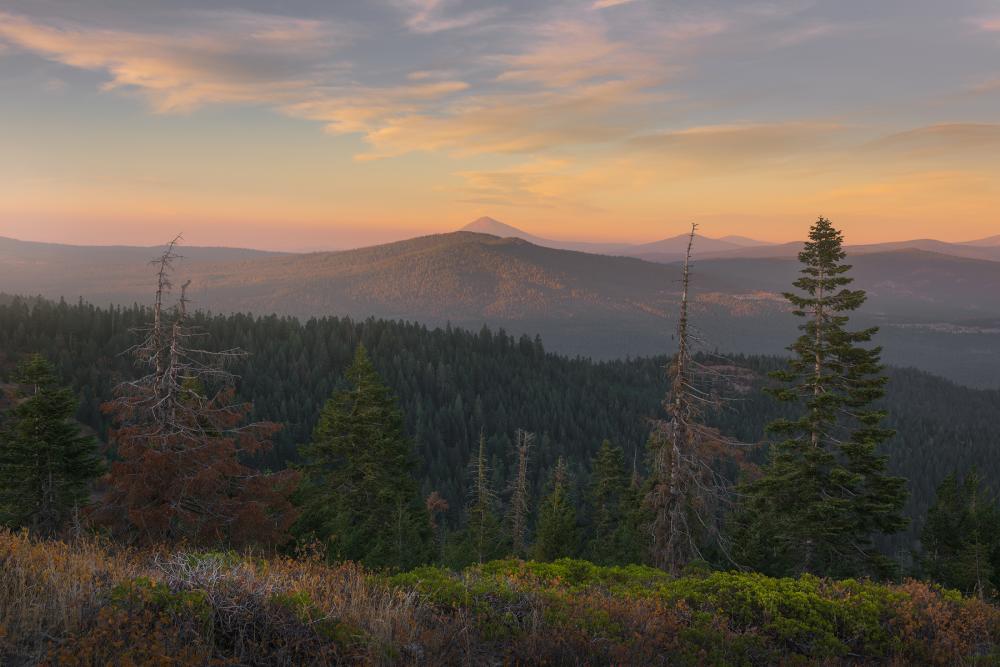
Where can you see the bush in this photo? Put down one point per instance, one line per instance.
(576, 611)
(87, 603)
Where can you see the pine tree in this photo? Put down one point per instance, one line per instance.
(359, 496)
(610, 497)
(961, 537)
(825, 493)
(46, 464)
(556, 534)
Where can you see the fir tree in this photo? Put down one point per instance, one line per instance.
(961, 538)
(359, 496)
(825, 493)
(610, 497)
(46, 464)
(556, 534)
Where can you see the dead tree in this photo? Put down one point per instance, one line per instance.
(686, 490)
(519, 503)
(182, 438)
(483, 526)
(436, 506)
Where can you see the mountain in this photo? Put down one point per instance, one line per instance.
(13, 250)
(665, 250)
(931, 245)
(487, 225)
(989, 241)
(743, 241)
(937, 312)
(791, 250)
(674, 248)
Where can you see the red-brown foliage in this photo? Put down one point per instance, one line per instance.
(188, 481)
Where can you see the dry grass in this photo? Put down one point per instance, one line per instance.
(91, 603)
(49, 590)
(55, 599)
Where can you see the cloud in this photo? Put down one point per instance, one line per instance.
(960, 140)
(569, 84)
(735, 145)
(605, 4)
(567, 52)
(218, 57)
(515, 123)
(987, 23)
(431, 16)
(360, 109)
(985, 87)
(567, 81)
(538, 182)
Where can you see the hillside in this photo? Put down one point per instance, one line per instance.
(452, 383)
(938, 312)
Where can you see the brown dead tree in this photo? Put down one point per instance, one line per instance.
(686, 491)
(519, 502)
(181, 439)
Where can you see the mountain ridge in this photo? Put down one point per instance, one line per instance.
(595, 305)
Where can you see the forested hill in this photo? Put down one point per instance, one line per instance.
(453, 383)
(937, 312)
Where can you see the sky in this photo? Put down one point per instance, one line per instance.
(320, 124)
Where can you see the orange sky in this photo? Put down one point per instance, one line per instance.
(618, 121)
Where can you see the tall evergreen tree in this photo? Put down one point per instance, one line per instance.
(359, 495)
(961, 538)
(825, 493)
(46, 463)
(556, 534)
(610, 497)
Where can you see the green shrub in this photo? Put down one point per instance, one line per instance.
(143, 591)
(807, 615)
(310, 615)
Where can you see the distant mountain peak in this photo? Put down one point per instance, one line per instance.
(484, 220)
(488, 225)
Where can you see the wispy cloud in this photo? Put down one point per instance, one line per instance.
(735, 145)
(987, 23)
(359, 109)
(538, 182)
(569, 84)
(605, 4)
(567, 52)
(431, 16)
(219, 57)
(959, 140)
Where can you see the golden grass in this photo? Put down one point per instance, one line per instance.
(90, 602)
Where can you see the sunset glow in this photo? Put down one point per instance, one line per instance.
(333, 125)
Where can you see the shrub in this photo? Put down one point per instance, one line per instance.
(49, 589)
(144, 624)
(86, 603)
